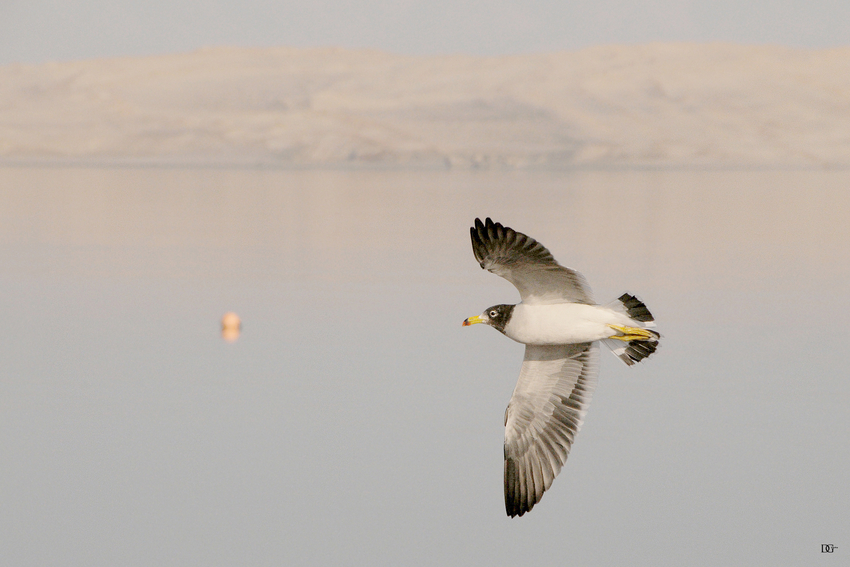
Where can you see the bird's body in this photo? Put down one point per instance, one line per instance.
(560, 325)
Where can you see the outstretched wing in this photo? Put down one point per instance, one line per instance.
(543, 417)
(527, 264)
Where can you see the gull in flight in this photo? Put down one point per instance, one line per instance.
(560, 326)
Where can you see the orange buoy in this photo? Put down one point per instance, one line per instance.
(230, 326)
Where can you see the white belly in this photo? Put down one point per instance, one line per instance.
(562, 323)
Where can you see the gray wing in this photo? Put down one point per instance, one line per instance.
(543, 417)
(527, 264)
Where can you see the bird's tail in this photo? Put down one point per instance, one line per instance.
(636, 349)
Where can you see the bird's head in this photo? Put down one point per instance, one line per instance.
(496, 316)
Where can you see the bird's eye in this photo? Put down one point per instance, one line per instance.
(494, 313)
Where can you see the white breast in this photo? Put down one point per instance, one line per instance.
(562, 323)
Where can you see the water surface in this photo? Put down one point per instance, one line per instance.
(356, 422)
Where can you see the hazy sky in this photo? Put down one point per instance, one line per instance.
(44, 30)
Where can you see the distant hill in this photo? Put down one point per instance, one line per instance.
(656, 105)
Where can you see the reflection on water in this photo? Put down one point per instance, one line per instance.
(353, 421)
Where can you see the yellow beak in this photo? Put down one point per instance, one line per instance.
(473, 320)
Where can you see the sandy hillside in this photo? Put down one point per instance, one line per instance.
(614, 106)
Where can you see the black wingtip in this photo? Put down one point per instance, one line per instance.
(483, 233)
(517, 503)
(479, 249)
(513, 506)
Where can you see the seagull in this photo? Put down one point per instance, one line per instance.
(561, 327)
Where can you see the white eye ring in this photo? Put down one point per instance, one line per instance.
(494, 313)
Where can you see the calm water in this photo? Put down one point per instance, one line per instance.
(355, 422)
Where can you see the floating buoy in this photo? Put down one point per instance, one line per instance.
(230, 326)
